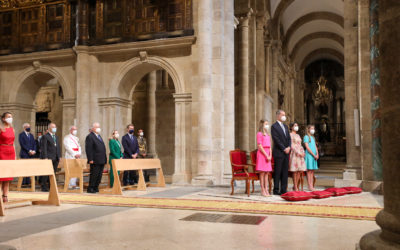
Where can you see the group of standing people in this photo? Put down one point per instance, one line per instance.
(48, 146)
(287, 153)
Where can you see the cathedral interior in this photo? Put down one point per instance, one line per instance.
(197, 76)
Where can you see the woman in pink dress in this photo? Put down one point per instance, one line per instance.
(264, 156)
(7, 150)
(297, 163)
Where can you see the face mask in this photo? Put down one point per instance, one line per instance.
(9, 120)
(266, 127)
(131, 131)
(296, 128)
(312, 131)
(283, 118)
(54, 130)
(98, 130)
(74, 132)
(116, 135)
(28, 129)
(141, 134)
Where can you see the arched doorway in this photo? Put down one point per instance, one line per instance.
(148, 92)
(38, 97)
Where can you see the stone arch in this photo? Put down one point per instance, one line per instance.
(278, 13)
(42, 70)
(322, 15)
(329, 35)
(311, 57)
(121, 86)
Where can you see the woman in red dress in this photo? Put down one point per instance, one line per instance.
(7, 150)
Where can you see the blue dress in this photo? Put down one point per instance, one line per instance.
(311, 163)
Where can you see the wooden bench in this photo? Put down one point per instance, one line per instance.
(74, 168)
(138, 165)
(27, 168)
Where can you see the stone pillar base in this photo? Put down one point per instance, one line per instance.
(372, 241)
(349, 179)
(181, 179)
(226, 180)
(372, 186)
(205, 180)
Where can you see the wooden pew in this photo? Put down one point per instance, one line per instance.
(74, 168)
(138, 165)
(29, 189)
(26, 168)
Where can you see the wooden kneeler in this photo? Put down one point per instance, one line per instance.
(23, 168)
(74, 168)
(135, 164)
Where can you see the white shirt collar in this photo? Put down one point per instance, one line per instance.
(280, 123)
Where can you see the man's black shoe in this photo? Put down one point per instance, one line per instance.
(91, 191)
(45, 189)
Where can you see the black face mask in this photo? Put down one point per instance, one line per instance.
(131, 131)
(28, 129)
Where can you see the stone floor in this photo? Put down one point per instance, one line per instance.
(100, 227)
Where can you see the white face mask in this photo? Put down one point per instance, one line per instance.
(74, 132)
(54, 130)
(98, 130)
(266, 127)
(283, 118)
(141, 134)
(116, 135)
(9, 120)
(312, 131)
(296, 128)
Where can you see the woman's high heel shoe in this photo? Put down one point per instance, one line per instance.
(5, 198)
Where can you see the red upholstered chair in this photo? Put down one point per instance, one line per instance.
(253, 157)
(240, 169)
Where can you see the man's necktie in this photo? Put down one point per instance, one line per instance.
(283, 128)
(54, 139)
(98, 136)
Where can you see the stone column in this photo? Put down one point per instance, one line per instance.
(244, 82)
(69, 118)
(182, 173)
(83, 90)
(82, 21)
(276, 48)
(151, 113)
(164, 83)
(260, 67)
(389, 218)
(204, 85)
(353, 154)
(229, 88)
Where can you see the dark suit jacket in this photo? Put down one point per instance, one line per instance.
(48, 149)
(280, 140)
(26, 143)
(131, 147)
(95, 149)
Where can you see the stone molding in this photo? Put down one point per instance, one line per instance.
(69, 103)
(183, 97)
(37, 56)
(18, 106)
(114, 101)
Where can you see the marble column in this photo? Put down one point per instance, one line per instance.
(389, 218)
(244, 82)
(229, 88)
(151, 112)
(353, 152)
(204, 85)
(83, 90)
(182, 173)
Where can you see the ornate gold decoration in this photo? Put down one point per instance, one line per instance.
(322, 92)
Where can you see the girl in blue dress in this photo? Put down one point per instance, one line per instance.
(311, 155)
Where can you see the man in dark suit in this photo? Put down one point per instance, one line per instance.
(96, 156)
(28, 147)
(131, 151)
(281, 150)
(50, 149)
(37, 141)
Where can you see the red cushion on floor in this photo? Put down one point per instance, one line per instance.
(296, 196)
(353, 190)
(321, 194)
(337, 191)
(244, 175)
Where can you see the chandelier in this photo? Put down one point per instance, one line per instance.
(322, 93)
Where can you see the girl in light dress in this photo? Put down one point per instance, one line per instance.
(264, 156)
(311, 155)
(297, 163)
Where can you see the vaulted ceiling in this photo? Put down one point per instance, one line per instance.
(309, 29)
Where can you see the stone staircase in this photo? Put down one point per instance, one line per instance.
(330, 168)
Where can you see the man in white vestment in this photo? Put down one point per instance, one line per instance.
(73, 150)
